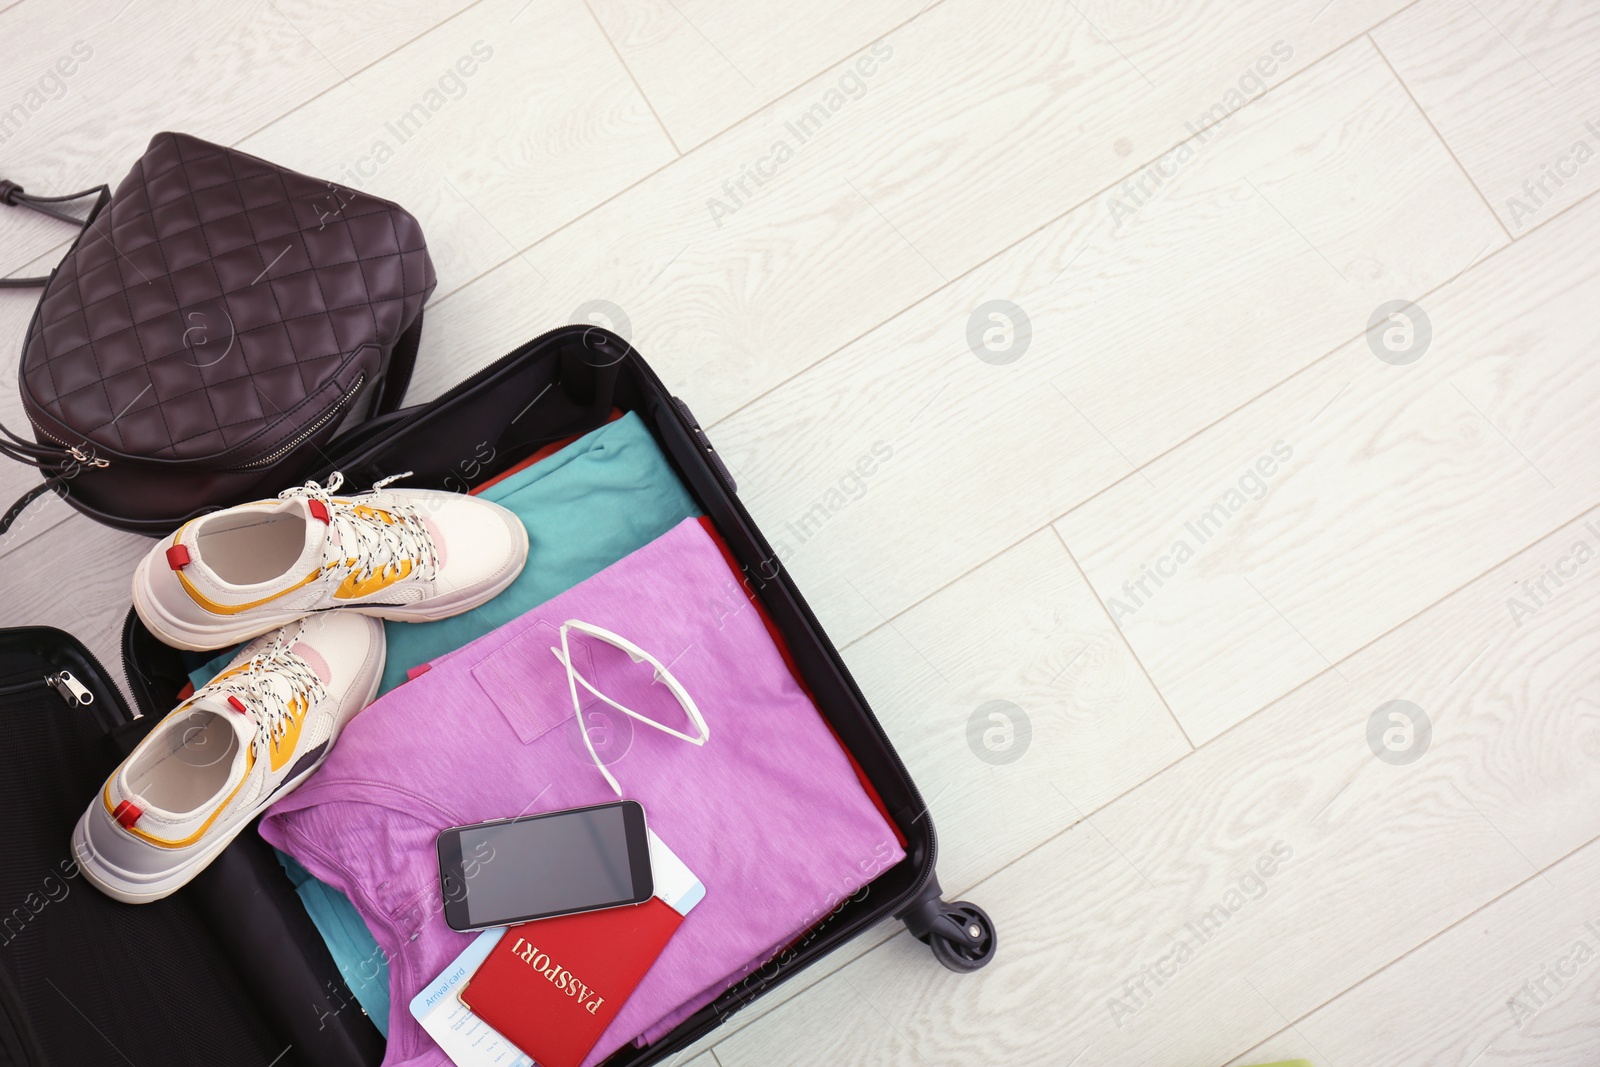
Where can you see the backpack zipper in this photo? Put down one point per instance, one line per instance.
(86, 458)
(283, 450)
(266, 461)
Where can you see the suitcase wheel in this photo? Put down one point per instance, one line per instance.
(961, 934)
(972, 947)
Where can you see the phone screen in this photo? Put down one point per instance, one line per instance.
(567, 861)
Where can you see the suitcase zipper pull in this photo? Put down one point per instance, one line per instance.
(71, 690)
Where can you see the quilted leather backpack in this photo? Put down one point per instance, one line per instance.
(218, 321)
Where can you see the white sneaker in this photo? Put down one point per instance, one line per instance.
(412, 555)
(246, 738)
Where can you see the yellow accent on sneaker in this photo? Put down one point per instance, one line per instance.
(283, 747)
(233, 609)
(161, 842)
(352, 588)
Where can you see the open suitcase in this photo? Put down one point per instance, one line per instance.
(560, 384)
(85, 980)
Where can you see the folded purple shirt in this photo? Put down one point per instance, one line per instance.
(768, 813)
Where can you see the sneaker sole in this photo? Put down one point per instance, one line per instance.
(116, 884)
(196, 638)
(210, 637)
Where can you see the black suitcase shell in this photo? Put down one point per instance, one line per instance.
(85, 980)
(567, 382)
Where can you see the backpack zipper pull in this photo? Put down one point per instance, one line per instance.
(71, 690)
(87, 459)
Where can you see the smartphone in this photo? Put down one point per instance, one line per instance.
(537, 866)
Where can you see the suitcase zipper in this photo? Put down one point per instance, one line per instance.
(850, 682)
(63, 682)
(419, 410)
(71, 690)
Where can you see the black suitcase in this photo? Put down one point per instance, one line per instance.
(567, 382)
(181, 982)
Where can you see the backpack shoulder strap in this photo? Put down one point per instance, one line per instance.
(12, 195)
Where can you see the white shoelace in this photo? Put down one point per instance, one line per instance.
(268, 683)
(369, 544)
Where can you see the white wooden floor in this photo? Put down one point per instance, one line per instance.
(1157, 531)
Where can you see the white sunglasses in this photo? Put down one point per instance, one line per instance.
(638, 655)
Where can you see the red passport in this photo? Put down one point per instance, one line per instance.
(552, 986)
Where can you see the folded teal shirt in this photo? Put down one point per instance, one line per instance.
(361, 961)
(603, 497)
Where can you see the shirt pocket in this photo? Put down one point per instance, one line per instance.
(528, 684)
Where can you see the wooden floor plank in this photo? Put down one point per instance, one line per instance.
(1522, 988)
(732, 285)
(1511, 86)
(1380, 487)
(1145, 329)
(355, 35)
(704, 66)
(78, 580)
(500, 126)
(1271, 870)
(96, 79)
(1012, 697)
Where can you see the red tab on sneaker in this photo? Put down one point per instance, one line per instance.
(126, 814)
(238, 705)
(318, 509)
(177, 557)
